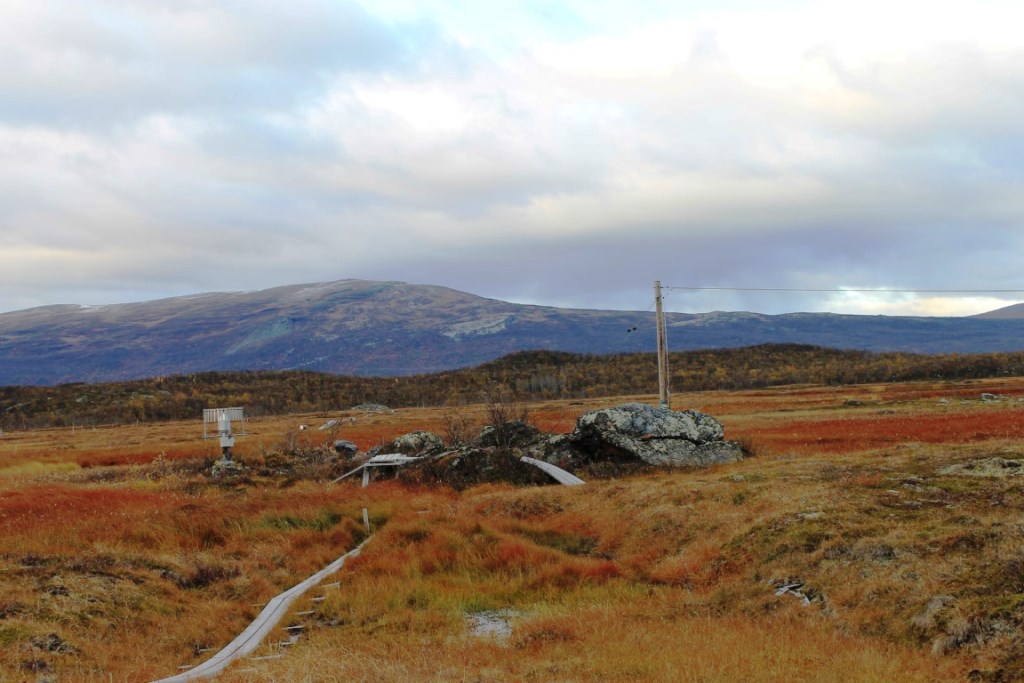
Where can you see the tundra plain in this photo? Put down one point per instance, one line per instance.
(874, 533)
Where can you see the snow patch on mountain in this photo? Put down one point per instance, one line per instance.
(479, 327)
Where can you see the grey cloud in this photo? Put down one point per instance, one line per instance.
(94, 65)
(168, 147)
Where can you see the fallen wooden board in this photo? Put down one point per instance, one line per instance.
(263, 624)
(559, 475)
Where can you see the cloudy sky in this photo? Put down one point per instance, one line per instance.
(561, 152)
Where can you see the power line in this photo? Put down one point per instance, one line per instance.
(841, 291)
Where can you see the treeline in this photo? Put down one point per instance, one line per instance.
(530, 375)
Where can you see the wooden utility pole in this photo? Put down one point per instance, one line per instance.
(663, 390)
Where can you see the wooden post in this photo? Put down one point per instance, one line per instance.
(663, 388)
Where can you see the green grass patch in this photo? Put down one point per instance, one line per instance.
(326, 519)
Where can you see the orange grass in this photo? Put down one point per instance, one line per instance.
(850, 434)
(113, 539)
(697, 612)
(178, 568)
(642, 641)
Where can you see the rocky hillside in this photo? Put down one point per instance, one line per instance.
(391, 328)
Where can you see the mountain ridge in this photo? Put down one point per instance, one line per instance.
(391, 328)
(1012, 312)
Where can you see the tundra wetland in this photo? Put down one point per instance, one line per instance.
(872, 533)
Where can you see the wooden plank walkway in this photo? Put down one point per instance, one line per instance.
(264, 623)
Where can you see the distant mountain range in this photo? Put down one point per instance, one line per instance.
(391, 329)
(1014, 312)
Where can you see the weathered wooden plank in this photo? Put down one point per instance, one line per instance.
(253, 635)
(559, 475)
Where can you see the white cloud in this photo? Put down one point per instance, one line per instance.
(895, 303)
(595, 146)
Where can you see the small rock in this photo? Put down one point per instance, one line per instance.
(491, 623)
(223, 468)
(51, 642)
(796, 588)
(346, 448)
(987, 467)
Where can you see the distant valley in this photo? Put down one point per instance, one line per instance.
(366, 328)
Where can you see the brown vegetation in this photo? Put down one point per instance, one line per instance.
(122, 559)
(531, 376)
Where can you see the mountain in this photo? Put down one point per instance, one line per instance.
(1014, 312)
(392, 328)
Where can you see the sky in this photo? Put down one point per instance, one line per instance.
(556, 152)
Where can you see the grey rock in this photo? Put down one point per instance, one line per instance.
(641, 421)
(223, 468)
(415, 443)
(655, 436)
(346, 448)
(986, 467)
(604, 443)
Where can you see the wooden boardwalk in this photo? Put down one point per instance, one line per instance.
(249, 639)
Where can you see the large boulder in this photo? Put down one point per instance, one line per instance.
(654, 436)
(414, 443)
(607, 442)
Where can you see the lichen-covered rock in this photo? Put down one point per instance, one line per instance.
(607, 442)
(414, 443)
(226, 468)
(655, 436)
(641, 421)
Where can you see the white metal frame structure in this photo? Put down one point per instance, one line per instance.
(223, 418)
(216, 415)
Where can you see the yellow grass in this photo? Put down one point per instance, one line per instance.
(140, 564)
